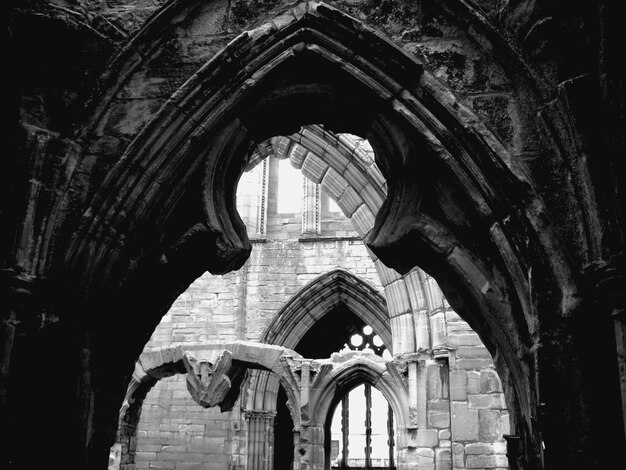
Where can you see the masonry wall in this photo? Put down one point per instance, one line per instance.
(479, 417)
(464, 415)
(176, 433)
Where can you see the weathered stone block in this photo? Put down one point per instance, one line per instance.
(478, 352)
(458, 455)
(353, 174)
(502, 460)
(480, 461)
(473, 382)
(477, 448)
(397, 299)
(489, 382)
(474, 364)
(458, 385)
(363, 220)
(425, 462)
(490, 429)
(427, 438)
(334, 184)
(505, 423)
(438, 419)
(386, 275)
(372, 197)
(314, 168)
(433, 381)
(469, 338)
(494, 401)
(464, 425)
(443, 459)
(349, 201)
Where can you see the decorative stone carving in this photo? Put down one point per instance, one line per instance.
(208, 382)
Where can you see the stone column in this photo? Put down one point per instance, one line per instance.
(310, 451)
(619, 319)
(610, 280)
(311, 208)
(260, 425)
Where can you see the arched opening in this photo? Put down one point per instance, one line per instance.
(298, 76)
(120, 207)
(324, 317)
(360, 434)
(340, 304)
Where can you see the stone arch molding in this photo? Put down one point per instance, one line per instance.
(303, 310)
(318, 297)
(311, 386)
(351, 177)
(168, 206)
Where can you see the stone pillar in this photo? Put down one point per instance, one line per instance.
(619, 319)
(438, 413)
(311, 224)
(438, 331)
(310, 451)
(422, 330)
(262, 219)
(610, 297)
(345, 429)
(296, 450)
(260, 426)
(401, 317)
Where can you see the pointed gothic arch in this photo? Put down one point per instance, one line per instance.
(313, 302)
(166, 211)
(318, 298)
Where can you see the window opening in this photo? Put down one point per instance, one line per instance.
(362, 431)
(252, 197)
(329, 206)
(290, 186)
(367, 339)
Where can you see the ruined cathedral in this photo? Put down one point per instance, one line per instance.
(301, 235)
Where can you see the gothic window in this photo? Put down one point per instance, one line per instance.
(289, 193)
(362, 429)
(367, 339)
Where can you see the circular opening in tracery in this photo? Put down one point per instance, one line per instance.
(367, 330)
(356, 340)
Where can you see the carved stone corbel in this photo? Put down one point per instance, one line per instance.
(208, 382)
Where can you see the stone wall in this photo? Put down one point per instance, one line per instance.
(479, 417)
(463, 416)
(176, 433)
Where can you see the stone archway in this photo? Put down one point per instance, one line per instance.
(348, 373)
(319, 298)
(481, 227)
(408, 132)
(214, 377)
